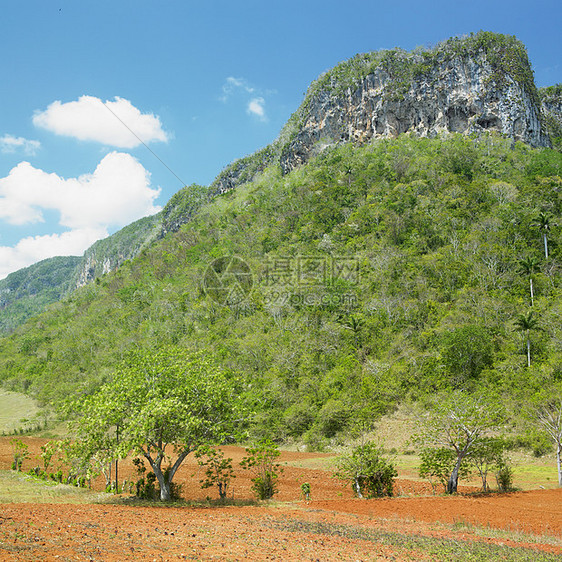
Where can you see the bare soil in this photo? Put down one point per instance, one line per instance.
(332, 526)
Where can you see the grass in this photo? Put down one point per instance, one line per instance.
(15, 410)
(438, 548)
(492, 533)
(16, 487)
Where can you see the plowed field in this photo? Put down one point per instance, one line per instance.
(332, 526)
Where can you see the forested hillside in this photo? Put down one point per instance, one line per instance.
(472, 84)
(28, 291)
(380, 274)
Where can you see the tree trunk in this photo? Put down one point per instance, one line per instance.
(453, 482)
(558, 463)
(528, 351)
(357, 487)
(165, 480)
(545, 246)
(532, 295)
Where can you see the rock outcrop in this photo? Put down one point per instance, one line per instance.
(471, 85)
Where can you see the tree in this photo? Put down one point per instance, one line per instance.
(20, 452)
(164, 405)
(529, 266)
(369, 473)
(459, 421)
(488, 453)
(466, 351)
(544, 224)
(547, 412)
(527, 323)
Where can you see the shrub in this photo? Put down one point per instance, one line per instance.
(368, 472)
(261, 459)
(504, 477)
(218, 470)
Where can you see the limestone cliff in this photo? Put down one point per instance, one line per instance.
(551, 99)
(477, 84)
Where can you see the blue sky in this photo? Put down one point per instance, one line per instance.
(201, 83)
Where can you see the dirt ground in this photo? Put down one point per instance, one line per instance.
(332, 526)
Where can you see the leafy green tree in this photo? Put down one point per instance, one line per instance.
(165, 405)
(466, 351)
(526, 323)
(459, 421)
(368, 471)
(261, 459)
(438, 463)
(20, 453)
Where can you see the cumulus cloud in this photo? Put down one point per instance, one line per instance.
(256, 106)
(117, 193)
(118, 124)
(10, 144)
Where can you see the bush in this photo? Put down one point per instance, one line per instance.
(368, 472)
(218, 470)
(504, 477)
(262, 460)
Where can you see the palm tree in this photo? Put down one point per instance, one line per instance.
(526, 323)
(544, 224)
(529, 266)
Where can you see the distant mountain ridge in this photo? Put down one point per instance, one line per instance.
(477, 84)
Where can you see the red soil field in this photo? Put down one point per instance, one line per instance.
(331, 526)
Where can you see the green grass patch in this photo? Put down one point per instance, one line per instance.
(16, 411)
(16, 487)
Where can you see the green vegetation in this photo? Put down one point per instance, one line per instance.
(382, 274)
(410, 545)
(28, 291)
(162, 406)
(369, 473)
(261, 460)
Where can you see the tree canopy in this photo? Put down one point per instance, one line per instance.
(162, 405)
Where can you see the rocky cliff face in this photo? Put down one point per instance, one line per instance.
(108, 254)
(450, 90)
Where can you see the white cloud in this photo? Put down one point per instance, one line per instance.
(10, 144)
(36, 248)
(256, 106)
(117, 193)
(118, 124)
